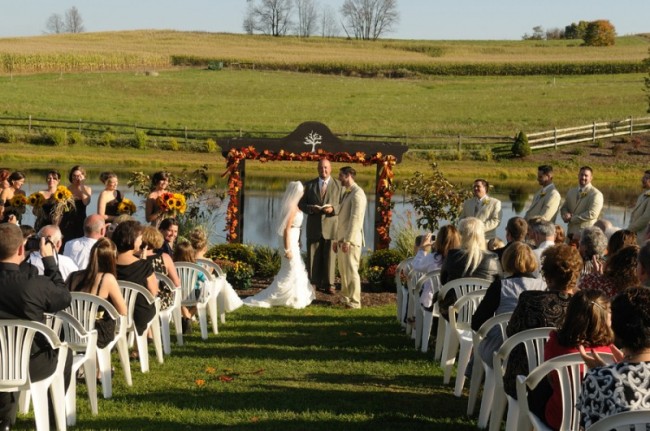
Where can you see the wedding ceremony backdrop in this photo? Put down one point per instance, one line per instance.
(311, 141)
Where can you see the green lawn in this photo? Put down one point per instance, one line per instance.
(321, 368)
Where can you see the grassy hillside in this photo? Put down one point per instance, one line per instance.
(138, 50)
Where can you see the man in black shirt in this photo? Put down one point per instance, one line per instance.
(28, 296)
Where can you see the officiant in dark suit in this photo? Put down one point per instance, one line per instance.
(321, 205)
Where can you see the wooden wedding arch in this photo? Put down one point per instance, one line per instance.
(311, 141)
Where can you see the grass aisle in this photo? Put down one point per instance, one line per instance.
(321, 368)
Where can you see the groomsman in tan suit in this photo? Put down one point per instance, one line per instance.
(640, 216)
(546, 201)
(483, 207)
(350, 237)
(582, 205)
(321, 204)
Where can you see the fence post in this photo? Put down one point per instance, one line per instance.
(459, 143)
(80, 125)
(593, 132)
(30, 124)
(555, 137)
(631, 125)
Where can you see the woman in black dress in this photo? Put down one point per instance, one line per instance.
(130, 267)
(44, 215)
(109, 198)
(72, 221)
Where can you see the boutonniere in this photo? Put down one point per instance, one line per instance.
(647, 193)
(542, 194)
(583, 194)
(486, 201)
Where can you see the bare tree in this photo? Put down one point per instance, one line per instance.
(55, 24)
(271, 17)
(73, 21)
(329, 25)
(307, 17)
(369, 19)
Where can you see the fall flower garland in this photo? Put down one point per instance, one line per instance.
(385, 186)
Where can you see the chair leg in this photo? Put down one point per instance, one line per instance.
(104, 361)
(57, 391)
(123, 351)
(404, 308)
(427, 322)
(90, 371)
(212, 311)
(498, 409)
(487, 398)
(24, 401)
(141, 341)
(449, 352)
(178, 325)
(398, 307)
(41, 411)
(71, 400)
(475, 385)
(203, 321)
(513, 415)
(440, 339)
(155, 329)
(463, 361)
(165, 332)
(418, 325)
(221, 307)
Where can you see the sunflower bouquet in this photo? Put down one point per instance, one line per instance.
(172, 204)
(63, 202)
(36, 200)
(126, 207)
(18, 202)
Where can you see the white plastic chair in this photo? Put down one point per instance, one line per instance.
(624, 421)
(188, 273)
(16, 337)
(84, 307)
(481, 368)
(424, 319)
(533, 341)
(460, 321)
(216, 300)
(84, 346)
(569, 369)
(130, 291)
(412, 302)
(403, 269)
(169, 313)
(461, 286)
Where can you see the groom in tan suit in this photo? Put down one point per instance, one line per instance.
(321, 204)
(582, 205)
(483, 207)
(640, 216)
(349, 237)
(546, 201)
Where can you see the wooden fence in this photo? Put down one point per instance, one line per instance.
(588, 133)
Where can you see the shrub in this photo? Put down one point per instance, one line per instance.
(521, 147)
(77, 138)
(140, 139)
(9, 135)
(173, 144)
(267, 261)
(232, 252)
(238, 274)
(56, 137)
(384, 258)
(108, 139)
(211, 146)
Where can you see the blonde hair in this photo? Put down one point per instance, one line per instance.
(472, 242)
(152, 238)
(199, 238)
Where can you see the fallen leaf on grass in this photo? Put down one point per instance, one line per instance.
(224, 378)
(343, 333)
(210, 370)
(255, 419)
(199, 382)
(260, 371)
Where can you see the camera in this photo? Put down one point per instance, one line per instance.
(34, 243)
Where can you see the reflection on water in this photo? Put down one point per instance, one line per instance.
(261, 209)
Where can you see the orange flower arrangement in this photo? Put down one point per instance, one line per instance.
(172, 203)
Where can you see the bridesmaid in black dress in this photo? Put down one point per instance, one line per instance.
(109, 198)
(44, 216)
(72, 222)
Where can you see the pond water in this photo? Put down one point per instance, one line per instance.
(262, 209)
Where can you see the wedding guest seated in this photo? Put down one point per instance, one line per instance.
(169, 229)
(53, 235)
(543, 236)
(79, 249)
(622, 386)
(495, 243)
(559, 235)
(561, 266)
(431, 256)
(185, 253)
(152, 240)
(472, 259)
(502, 295)
(619, 273)
(586, 325)
(110, 228)
(128, 239)
(99, 279)
(516, 230)
(607, 227)
(592, 246)
(620, 239)
(228, 299)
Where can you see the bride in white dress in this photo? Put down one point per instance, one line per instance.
(290, 287)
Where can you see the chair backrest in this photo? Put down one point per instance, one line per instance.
(500, 320)
(130, 291)
(188, 273)
(432, 277)
(624, 421)
(162, 278)
(403, 270)
(16, 337)
(460, 314)
(74, 333)
(533, 341)
(463, 286)
(211, 265)
(569, 370)
(84, 306)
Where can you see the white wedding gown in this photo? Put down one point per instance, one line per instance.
(290, 287)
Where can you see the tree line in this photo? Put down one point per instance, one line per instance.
(69, 22)
(594, 33)
(358, 19)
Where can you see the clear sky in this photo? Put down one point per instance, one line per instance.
(419, 19)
